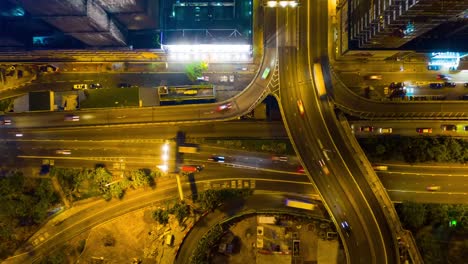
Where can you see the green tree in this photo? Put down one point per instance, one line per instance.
(161, 216)
(181, 210)
(116, 190)
(413, 214)
(195, 70)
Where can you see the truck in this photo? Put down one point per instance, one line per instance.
(191, 168)
(299, 204)
(188, 149)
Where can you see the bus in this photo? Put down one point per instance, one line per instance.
(299, 204)
(266, 73)
(319, 82)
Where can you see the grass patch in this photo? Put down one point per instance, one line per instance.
(113, 97)
(278, 146)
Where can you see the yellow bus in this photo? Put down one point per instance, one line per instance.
(299, 204)
(319, 82)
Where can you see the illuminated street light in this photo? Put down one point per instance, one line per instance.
(282, 4)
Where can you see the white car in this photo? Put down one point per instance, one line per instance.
(385, 130)
(223, 78)
(231, 78)
(63, 151)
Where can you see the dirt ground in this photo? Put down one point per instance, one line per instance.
(126, 239)
(245, 234)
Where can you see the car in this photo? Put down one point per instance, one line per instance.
(366, 129)
(216, 158)
(444, 77)
(204, 78)
(346, 228)
(80, 86)
(63, 151)
(231, 78)
(300, 105)
(435, 85)
(450, 84)
(466, 85)
(300, 169)
(95, 86)
(72, 118)
(224, 107)
(18, 134)
(126, 85)
(465, 128)
(223, 78)
(424, 130)
(324, 167)
(432, 188)
(374, 77)
(5, 122)
(280, 158)
(385, 130)
(449, 127)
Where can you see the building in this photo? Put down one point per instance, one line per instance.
(390, 24)
(89, 23)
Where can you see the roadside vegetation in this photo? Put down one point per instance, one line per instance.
(80, 184)
(440, 230)
(6, 105)
(25, 204)
(415, 149)
(195, 70)
(113, 97)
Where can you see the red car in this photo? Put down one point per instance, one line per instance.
(367, 129)
(300, 169)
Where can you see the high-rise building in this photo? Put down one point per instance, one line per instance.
(388, 24)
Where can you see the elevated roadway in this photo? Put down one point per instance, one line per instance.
(344, 189)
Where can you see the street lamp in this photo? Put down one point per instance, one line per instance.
(282, 4)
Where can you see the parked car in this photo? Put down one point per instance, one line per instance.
(387, 130)
(424, 130)
(367, 129)
(449, 127)
(126, 85)
(95, 86)
(231, 78)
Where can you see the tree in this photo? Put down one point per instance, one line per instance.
(116, 190)
(195, 70)
(181, 210)
(161, 216)
(413, 214)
